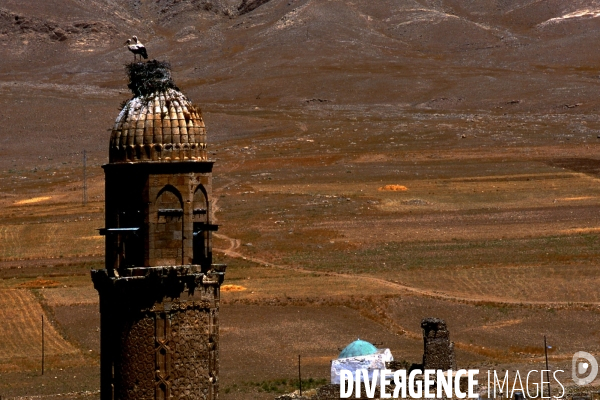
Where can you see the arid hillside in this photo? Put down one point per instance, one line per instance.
(523, 56)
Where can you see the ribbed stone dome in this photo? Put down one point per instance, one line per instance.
(164, 126)
(159, 123)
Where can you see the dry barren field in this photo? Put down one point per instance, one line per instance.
(336, 227)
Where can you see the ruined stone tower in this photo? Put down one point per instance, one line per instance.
(159, 291)
(439, 350)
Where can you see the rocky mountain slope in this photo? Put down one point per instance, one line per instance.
(430, 54)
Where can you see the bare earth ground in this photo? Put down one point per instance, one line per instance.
(375, 164)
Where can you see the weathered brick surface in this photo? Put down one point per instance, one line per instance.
(159, 291)
(160, 332)
(439, 351)
(168, 203)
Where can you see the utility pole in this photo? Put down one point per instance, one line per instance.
(299, 376)
(84, 178)
(547, 369)
(42, 344)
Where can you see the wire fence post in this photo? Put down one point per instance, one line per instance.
(547, 368)
(42, 344)
(299, 376)
(84, 178)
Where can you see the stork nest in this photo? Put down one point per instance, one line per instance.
(149, 77)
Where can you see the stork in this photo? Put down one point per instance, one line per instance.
(137, 48)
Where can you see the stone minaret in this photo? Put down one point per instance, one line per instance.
(159, 291)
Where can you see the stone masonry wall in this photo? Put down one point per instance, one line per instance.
(439, 350)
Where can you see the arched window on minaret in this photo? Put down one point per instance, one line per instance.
(168, 237)
(202, 254)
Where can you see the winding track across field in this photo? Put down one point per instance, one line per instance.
(234, 245)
